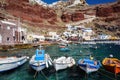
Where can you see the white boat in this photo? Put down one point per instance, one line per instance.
(8, 63)
(63, 63)
(40, 60)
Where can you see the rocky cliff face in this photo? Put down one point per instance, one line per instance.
(109, 13)
(52, 17)
(109, 10)
(108, 18)
(76, 16)
(34, 13)
(39, 14)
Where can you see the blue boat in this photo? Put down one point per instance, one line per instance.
(40, 60)
(89, 65)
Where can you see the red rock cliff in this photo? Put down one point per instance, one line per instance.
(110, 10)
(76, 16)
(33, 13)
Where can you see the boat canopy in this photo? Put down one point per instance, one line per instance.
(40, 54)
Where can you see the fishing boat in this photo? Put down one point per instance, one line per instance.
(9, 63)
(89, 65)
(65, 49)
(63, 63)
(40, 60)
(112, 65)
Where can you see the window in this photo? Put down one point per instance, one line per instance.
(39, 52)
(8, 39)
(23, 38)
(14, 38)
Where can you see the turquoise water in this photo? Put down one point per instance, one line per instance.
(77, 51)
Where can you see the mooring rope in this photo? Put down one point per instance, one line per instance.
(44, 75)
(56, 75)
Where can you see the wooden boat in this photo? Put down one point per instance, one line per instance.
(40, 60)
(9, 63)
(63, 63)
(112, 65)
(89, 65)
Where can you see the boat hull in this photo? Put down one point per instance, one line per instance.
(88, 65)
(39, 65)
(9, 66)
(112, 67)
(63, 63)
(38, 68)
(88, 69)
(59, 66)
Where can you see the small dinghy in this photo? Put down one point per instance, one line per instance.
(9, 63)
(89, 65)
(40, 60)
(63, 63)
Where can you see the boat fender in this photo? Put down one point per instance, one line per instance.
(50, 59)
(46, 64)
(28, 57)
(50, 63)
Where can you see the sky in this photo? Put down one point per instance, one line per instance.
(90, 2)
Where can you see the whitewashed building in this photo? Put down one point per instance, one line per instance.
(87, 34)
(11, 32)
(103, 36)
(53, 36)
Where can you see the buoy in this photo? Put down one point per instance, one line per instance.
(46, 63)
(50, 63)
(111, 55)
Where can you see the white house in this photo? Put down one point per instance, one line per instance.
(53, 36)
(32, 37)
(103, 36)
(67, 34)
(87, 33)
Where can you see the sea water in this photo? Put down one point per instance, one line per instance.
(77, 51)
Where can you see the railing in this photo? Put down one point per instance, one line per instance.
(100, 41)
